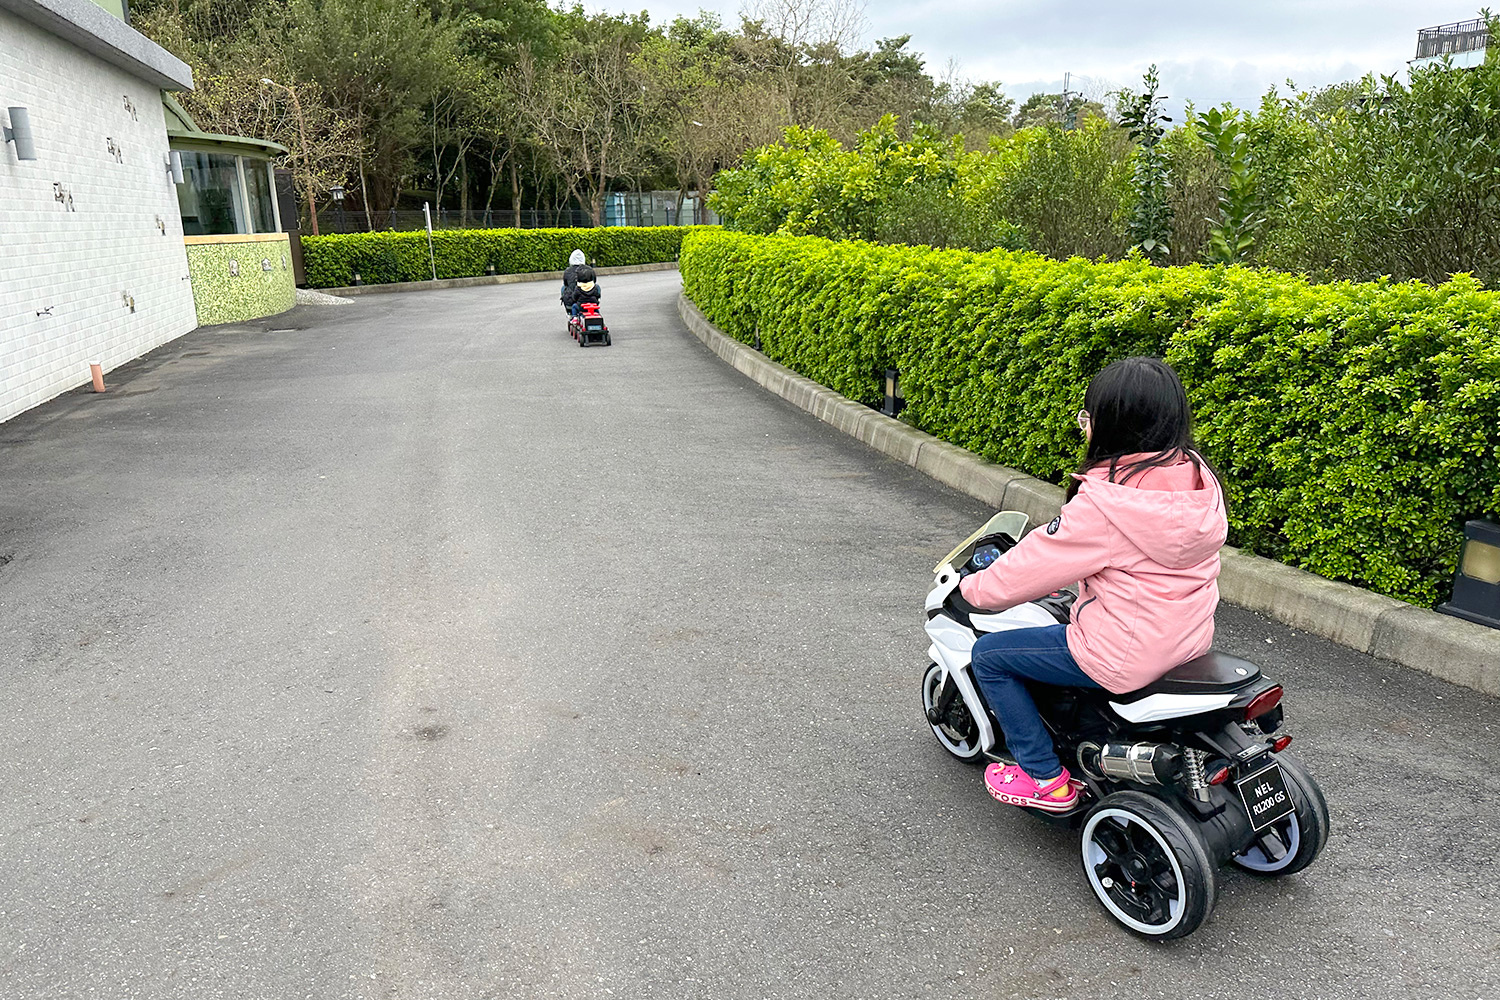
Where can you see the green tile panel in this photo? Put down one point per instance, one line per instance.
(241, 280)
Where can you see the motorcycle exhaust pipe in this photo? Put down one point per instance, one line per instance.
(1142, 763)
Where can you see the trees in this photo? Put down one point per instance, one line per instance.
(810, 184)
(707, 103)
(800, 46)
(1068, 110)
(1241, 213)
(981, 110)
(1402, 182)
(1062, 187)
(1150, 221)
(380, 63)
(478, 103)
(586, 108)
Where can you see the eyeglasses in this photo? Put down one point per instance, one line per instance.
(1084, 420)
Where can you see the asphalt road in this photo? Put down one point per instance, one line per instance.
(404, 649)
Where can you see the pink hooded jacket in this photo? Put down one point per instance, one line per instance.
(1147, 553)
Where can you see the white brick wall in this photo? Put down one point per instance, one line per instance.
(81, 264)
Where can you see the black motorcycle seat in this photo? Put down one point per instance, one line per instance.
(1211, 673)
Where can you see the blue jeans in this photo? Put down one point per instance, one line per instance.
(1003, 663)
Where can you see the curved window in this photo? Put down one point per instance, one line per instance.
(225, 194)
(210, 196)
(258, 194)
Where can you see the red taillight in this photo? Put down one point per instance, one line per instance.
(1219, 777)
(1281, 743)
(1263, 703)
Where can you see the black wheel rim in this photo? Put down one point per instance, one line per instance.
(957, 727)
(1130, 867)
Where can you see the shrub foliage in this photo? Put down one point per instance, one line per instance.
(1375, 178)
(1357, 425)
(1404, 181)
(332, 261)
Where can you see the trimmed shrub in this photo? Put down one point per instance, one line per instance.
(1357, 425)
(332, 261)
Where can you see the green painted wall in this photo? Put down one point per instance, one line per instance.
(115, 7)
(222, 296)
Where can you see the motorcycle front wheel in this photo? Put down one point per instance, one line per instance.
(957, 732)
(1148, 865)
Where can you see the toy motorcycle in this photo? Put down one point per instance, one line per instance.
(1179, 778)
(588, 327)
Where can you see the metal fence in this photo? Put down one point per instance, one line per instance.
(1451, 39)
(336, 220)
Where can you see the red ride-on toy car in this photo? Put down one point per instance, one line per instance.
(588, 328)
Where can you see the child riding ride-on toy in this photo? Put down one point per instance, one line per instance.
(580, 297)
(587, 326)
(1075, 663)
(1172, 782)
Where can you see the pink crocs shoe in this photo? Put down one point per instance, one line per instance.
(1013, 786)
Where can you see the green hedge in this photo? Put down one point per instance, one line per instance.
(1357, 425)
(332, 261)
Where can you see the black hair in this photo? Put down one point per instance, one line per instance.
(1137, 406)
(585, 273)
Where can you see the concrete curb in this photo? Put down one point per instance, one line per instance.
(487, 279)
(1455, 650)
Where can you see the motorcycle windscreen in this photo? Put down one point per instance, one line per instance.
(1009, 522)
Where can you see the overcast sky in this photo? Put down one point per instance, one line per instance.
(1207, 52)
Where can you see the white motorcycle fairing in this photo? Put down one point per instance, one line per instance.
(1155, 707)
(953, 643)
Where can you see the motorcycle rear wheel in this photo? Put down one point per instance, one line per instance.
(960, 735)
(1301, 835)
(1148, 865)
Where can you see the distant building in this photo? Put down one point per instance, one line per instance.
(656, 208)
(1462, 42)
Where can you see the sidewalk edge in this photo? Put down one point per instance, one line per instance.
(1457, 651)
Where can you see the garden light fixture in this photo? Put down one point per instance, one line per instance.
(338, 202)
(1476, 585)
(19, 132)
(894, 401)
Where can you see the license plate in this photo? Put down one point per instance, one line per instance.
(1265, 796)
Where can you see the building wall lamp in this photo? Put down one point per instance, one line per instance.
(174, 166)
(19, 132)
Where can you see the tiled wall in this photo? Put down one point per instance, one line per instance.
(92, 265)
(236, 278)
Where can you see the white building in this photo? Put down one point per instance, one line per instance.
(1463, 43)
(92, 263)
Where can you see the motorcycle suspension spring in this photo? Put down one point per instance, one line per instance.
(1192, 766)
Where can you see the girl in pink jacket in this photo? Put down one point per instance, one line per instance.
(1141, 529)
